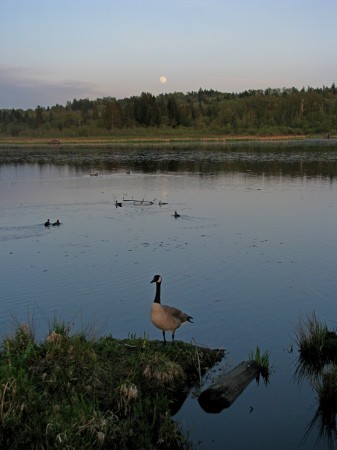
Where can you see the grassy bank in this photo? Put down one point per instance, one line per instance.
(145, 136)
(73, 391)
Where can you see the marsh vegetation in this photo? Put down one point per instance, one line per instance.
(317, 363)
(75, 391)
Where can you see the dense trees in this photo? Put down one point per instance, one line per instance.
(270, 111)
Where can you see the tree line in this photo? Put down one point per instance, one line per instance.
(253, 112)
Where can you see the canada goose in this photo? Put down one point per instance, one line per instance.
(46, 224)
(176, 214)
(56, 223)
(166, 318)
(118, 204)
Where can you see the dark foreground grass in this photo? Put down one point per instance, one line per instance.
(76, 392)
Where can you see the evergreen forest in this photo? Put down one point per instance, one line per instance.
(310, 111)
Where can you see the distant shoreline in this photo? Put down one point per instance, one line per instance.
(15, 142)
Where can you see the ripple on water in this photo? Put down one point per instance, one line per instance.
(22, 232)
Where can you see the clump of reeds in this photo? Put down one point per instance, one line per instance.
(317, 347)
(311, 337)
(317, 363)
(22, 339)
(262, 362)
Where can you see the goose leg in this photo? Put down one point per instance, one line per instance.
(164, 338)
(173, 338)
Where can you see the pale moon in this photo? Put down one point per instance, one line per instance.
(163, 80)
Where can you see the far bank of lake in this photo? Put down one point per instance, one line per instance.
(166, 138)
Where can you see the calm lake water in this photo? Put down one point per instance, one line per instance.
(254, 250)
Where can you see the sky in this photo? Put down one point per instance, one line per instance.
(53, 51)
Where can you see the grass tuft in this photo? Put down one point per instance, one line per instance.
(160, 368)
(311, 336)
(317, 347)
(262, 362)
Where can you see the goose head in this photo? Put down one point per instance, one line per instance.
(156, 279)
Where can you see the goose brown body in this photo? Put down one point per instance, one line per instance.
(166, 318)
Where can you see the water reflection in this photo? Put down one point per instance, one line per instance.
(312, 161)
(324, 419)
(224, 391)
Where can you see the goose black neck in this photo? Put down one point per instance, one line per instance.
(157, 297)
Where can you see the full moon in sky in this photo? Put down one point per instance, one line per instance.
(163, 80)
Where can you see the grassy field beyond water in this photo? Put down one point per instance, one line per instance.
(148, 136)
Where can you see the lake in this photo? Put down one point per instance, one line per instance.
(252, 253)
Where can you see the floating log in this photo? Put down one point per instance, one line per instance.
(225, 390)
